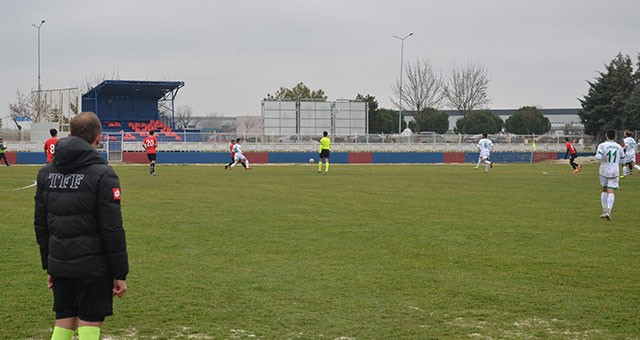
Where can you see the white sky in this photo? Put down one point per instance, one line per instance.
(231, 54)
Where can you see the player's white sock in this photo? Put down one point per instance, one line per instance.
(637, 167)
(624, 171)
(246, 163)
(603, 200)
(610, 201)
(479, 160)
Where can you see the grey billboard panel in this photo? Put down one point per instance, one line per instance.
(288, 123)
(323, 114)
(307, 123)
(271, 123)
(358, 124)
(307, 114)
(308, 131)
(269, 114)
(308, 106)
(288, 106)
(288, 115)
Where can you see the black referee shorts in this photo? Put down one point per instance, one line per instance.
(324, 153)
(151, 157)
(89, 299)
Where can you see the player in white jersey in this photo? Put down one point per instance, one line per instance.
(610, 155)
(630, 148)
(238, 156)
(485, 146)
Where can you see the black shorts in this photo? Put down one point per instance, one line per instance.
(151, 157)
(324, 153)
(88, 299)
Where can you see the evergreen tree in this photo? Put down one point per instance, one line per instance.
(528, 120)
(604, 106)
(479, 122)
(431, 120)
(632, 109)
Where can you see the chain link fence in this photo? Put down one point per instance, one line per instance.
(429, 141)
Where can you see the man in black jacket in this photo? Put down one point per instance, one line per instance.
(78, 225)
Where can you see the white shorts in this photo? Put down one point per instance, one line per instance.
(611, 183)
(239, 157)
(484, 155)
(629, 158)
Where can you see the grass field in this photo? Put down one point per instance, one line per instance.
(365, 252)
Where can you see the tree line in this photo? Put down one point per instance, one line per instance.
(612, 101)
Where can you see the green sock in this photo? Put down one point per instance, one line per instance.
(326, 166)
(60, 333)
(88, 333)
(320, 165)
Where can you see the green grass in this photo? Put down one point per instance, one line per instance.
(365, 252)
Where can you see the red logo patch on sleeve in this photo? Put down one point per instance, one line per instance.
(116, 194)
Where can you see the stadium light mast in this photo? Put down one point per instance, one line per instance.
(39, 84)
(401, 63)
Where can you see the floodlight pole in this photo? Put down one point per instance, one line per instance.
(401, 63)
(39, 83)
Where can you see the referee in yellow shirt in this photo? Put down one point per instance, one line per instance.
(325, 150)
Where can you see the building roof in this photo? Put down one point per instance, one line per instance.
(156, 89)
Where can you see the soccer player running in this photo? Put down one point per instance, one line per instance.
(630, 149)
(485, 145)
(78, 226)
(571, 152)
(233, 158)
(610, 155)
(325, 151)
(150, 144)
(50, 145)
(238, 155)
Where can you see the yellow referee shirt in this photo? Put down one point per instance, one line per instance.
(325, 143)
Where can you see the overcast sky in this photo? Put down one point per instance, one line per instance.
(230, 54)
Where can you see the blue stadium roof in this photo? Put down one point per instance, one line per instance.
(156, 89)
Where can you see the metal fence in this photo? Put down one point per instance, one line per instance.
(211, 141)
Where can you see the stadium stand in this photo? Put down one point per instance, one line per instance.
(128, 109)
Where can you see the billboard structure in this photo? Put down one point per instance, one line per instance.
(339, 118)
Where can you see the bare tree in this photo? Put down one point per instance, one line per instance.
(244, 124)
(184, 116)
(31, 106)
(422, 89)
(467, 88)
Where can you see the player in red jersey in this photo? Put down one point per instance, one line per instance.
(50, 145)
(571, 152)
(149, 144)
(233, 142)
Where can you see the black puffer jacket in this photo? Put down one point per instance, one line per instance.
(77, 221)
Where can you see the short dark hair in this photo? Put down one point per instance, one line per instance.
(484, 135)
(628, 133)
(86, 125)
(238, 140)
(325, 133)
(566, 138)
(53, 132)
(611, 134)
(151, 132)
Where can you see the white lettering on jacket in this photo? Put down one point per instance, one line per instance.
(60, 181)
